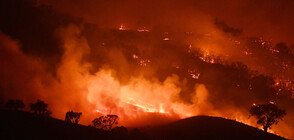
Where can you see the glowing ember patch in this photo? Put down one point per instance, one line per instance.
(194, 74)
(274, 50)
(190, 48)
(135, 56)
(247, 53)
(236, 42)
(277, 83)
(166, 39)
(143, 29)
(207, 59)
(141, 61)
(144, 62)
(212, 61)
(122, 27)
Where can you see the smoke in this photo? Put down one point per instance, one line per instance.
(22, 76)
(101, 93)
(135, 99)
(181, 65)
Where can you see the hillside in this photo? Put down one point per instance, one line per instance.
(24, 125)
(209, 128)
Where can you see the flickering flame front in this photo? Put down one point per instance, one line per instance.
(146, 107)
(207, 57)
(139, 97)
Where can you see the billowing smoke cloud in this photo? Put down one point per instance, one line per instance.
(150, 61)
(101, 93)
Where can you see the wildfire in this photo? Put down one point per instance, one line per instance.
(207, 58)
(141, 66)
(146, 107)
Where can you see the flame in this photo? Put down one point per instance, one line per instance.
(207, 57)
(122, 27)
(140, 96)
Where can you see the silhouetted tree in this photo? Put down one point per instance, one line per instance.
(267, 114)
(40, 108)
(15, 104)
(72, 117)
(106, 122)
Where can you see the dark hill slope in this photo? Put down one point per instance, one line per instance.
(209, 128)
(24, 125)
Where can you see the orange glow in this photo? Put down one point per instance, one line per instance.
(122, 27)
(166, 39)
(151, 62)
(143, 29)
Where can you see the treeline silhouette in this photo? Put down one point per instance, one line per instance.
(107, 122)
(24, 125)
(105, 126)
(266, 115)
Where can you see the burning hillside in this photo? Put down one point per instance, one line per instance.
(149, 62)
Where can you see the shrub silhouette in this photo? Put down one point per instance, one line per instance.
(72, 117)
(40, 108)
(106, 122)
(15, 104)
(267, 114)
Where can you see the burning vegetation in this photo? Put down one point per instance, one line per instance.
(146, 67)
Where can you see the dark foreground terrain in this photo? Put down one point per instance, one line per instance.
(25, 125)
(211, 128)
